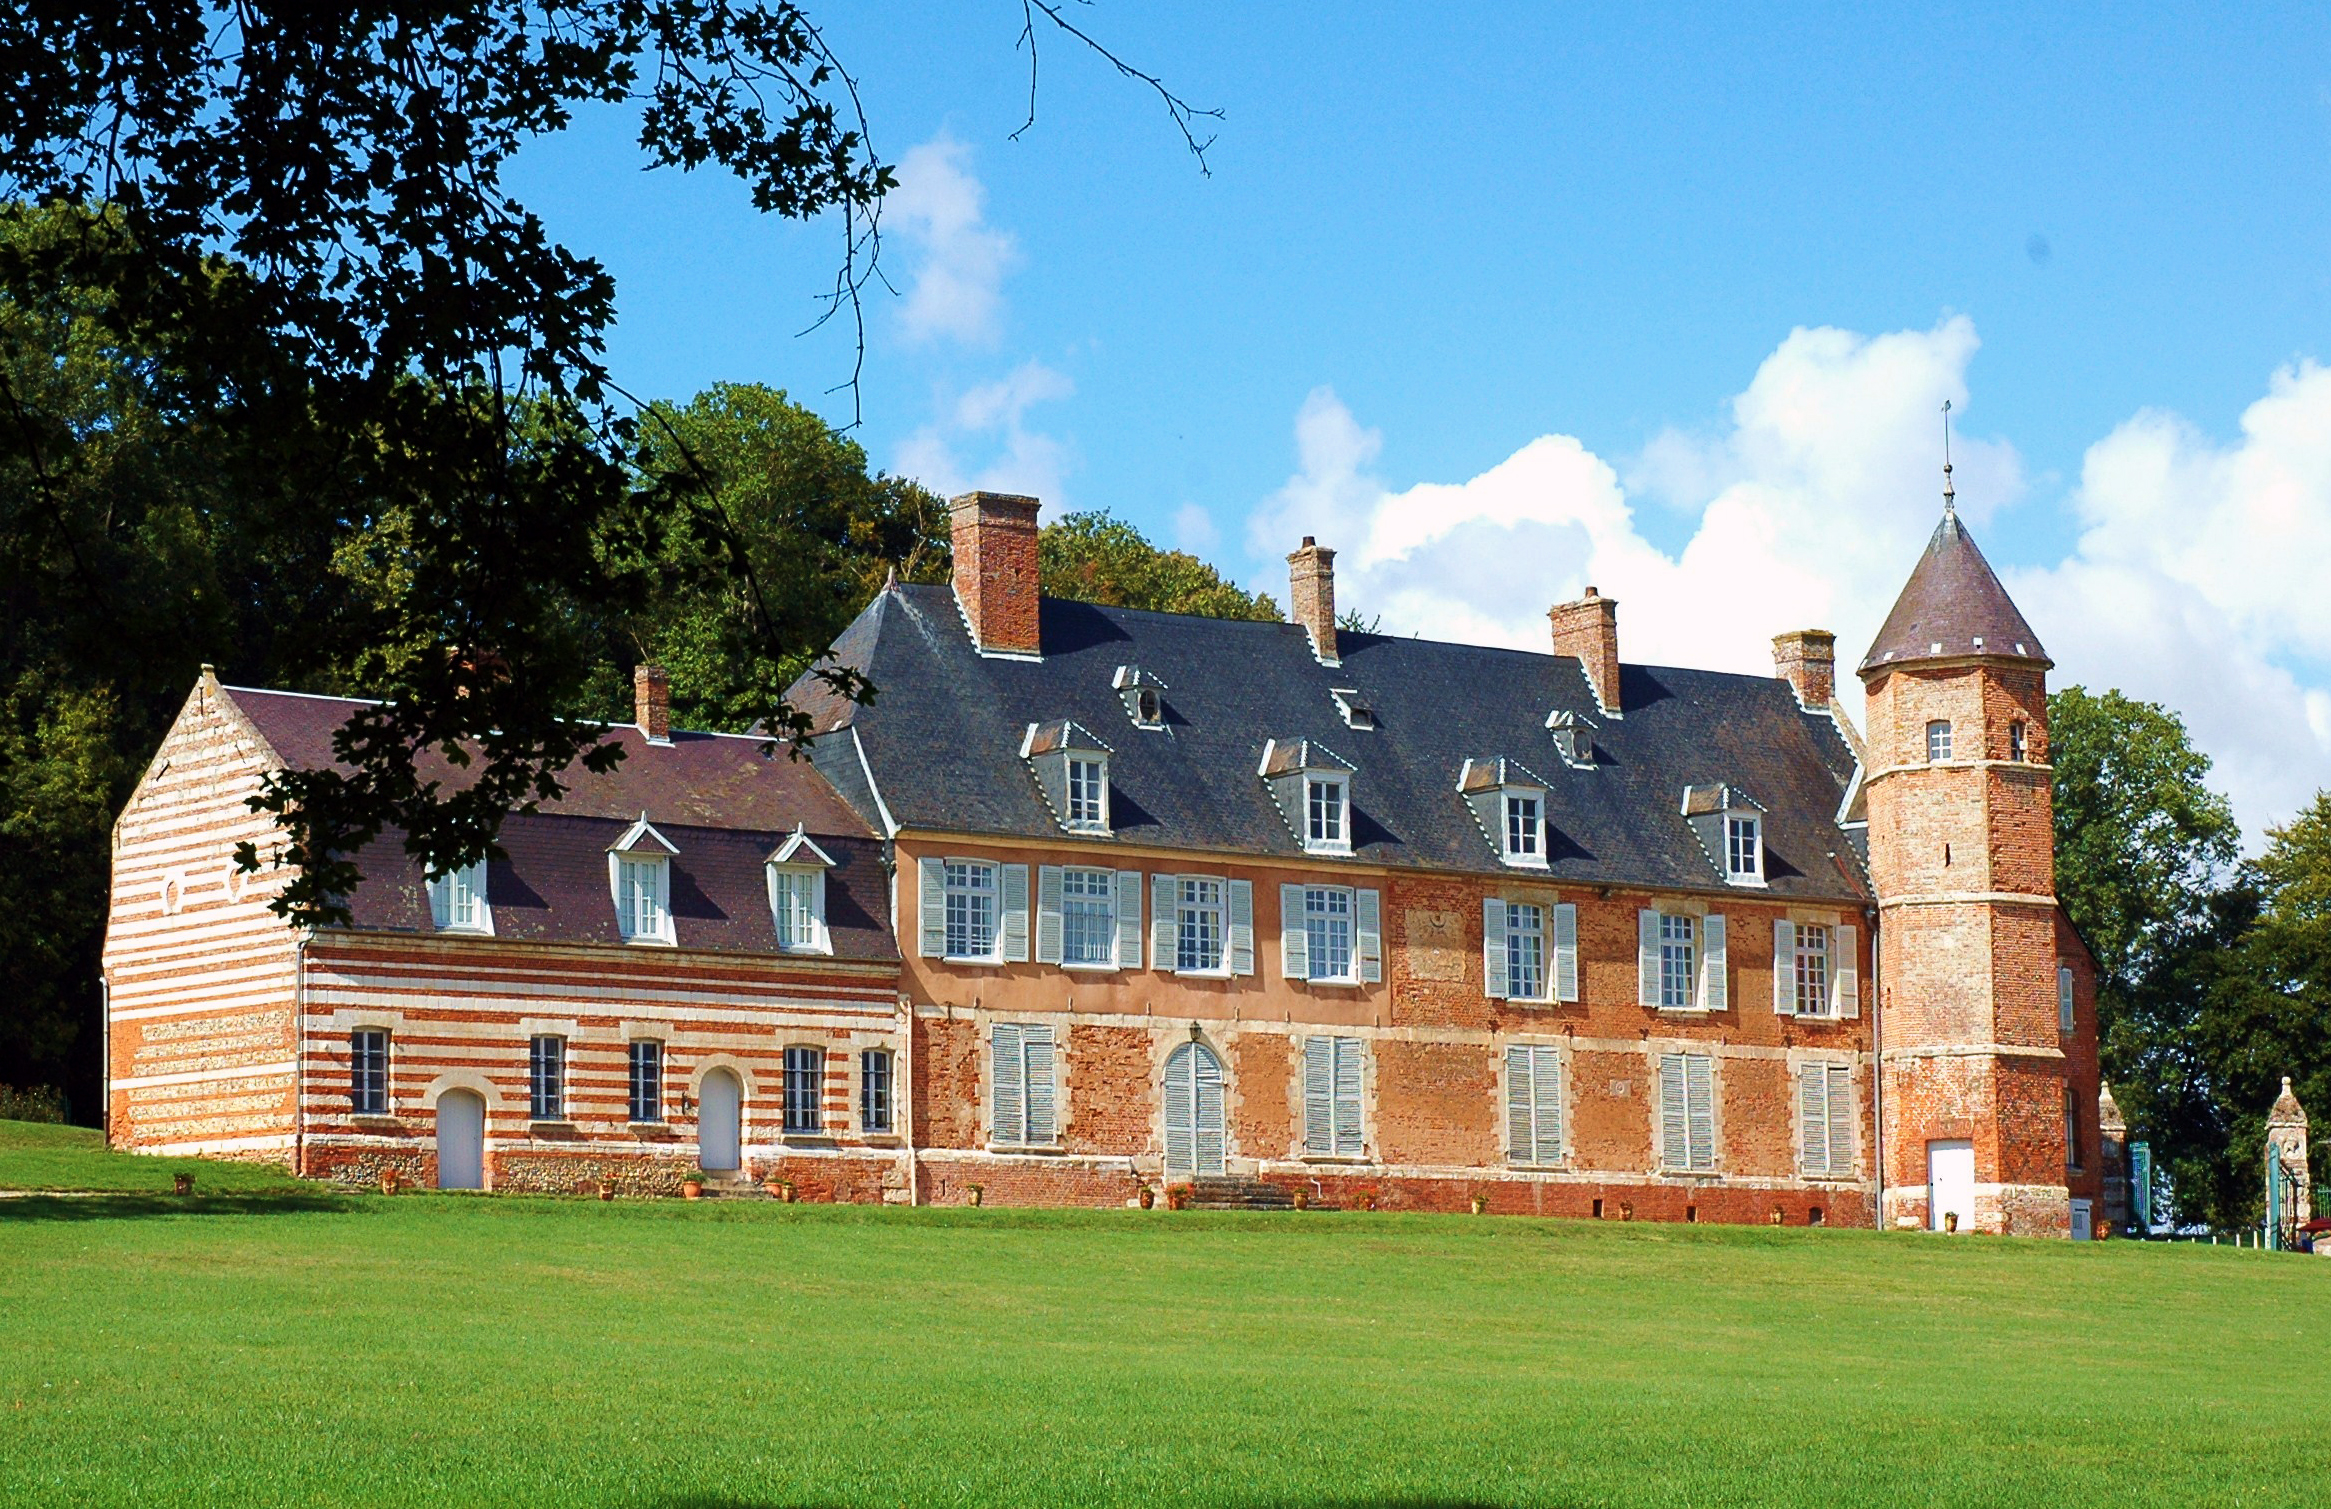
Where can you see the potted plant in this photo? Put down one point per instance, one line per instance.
(1177, 1197)
(1302, 1199)
(1147, 1197)
(391, 1179)
(1480, 1204)
(182, 1184)
(1950, 1220)
(606, 1187)
(975, 1193)
(692, 1185)
(787, 1192)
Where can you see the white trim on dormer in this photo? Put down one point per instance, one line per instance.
(633, 836)
(790, 851)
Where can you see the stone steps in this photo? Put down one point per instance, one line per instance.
(1239, 1194)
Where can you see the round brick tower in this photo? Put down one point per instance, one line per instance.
(1970, 1049)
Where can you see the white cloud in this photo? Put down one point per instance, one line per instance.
(940, 209)
(1194, 529)
(982, 439)
(2192, 584)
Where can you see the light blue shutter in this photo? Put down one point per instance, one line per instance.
(1715, 977)
(1841, 1119)
(1036, 1044)
(1845, 969)
(1784, 969)
(1180, 1103)
(1012, 927)
(1207, 1113)
(1700, 1092)
(1348, 1141)
(1294, 940)
(1647, 958)
(1128, 919)
(441, 903)
(1493, 976)
(1520, 1104)
(1318, 1096)
(2064, 997)
(1165, 900)
(1566, 952)
(1368, 907)
(1813, 1119)
(1240, 897)
(1008, 1113)
(1546, 1092)
(1674, 1132)
(1048, 920)
(931, 909)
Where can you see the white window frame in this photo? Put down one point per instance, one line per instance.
(1088, 811)
(1938, 740)
(1679, 931)
(1106, 895)
(2066, 1007)
(1322, 837)
(2018, 741)
(1812, 972)
(1743, 831)
(632, 1099)
(457, 900)
(1528, 846)
(812, 1123)
(535, 1077)
(869, 1124)
(1318, 906)
(628, 870)
(361, 1099)
(809, 881)
(1190, 916)
(960, 876)
(1518, 940)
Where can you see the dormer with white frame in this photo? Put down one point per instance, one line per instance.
(457, 900)
(797, 894)
(1354, 708)
(1143, 695)
(1729, 823)
(639, 873)
(1072, 767)
(1509, 802)
(1312, 786)
(1573, 738)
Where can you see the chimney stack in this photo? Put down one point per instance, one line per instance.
(1588, 631)
(995, 571)
(1311, 596)
(1807, 660)
(651, 703)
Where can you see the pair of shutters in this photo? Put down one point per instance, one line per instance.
(1560, 951)
(1238, 922)
(1295, 933)
(1845, 987)
(1713, 990)
(1125, 905)
(1332, 1077)
(1533, 1103)
(1021, 1112)
(1194, 1138)
(1011, 911)
(1825, 1119)
(1687, 1111)
(2064, 997)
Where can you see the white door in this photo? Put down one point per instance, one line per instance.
(720, 1103)
(1950, 1183)
(1195, 1137)
(461, 1140)
(2083, 1221)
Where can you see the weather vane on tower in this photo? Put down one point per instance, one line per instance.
(1950, 496)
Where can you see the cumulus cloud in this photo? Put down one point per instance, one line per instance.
(940, 209)
(2190, 586)
(981, 439)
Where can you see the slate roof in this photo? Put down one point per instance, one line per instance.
(725, 803)
(943, 733)
(1952, 605)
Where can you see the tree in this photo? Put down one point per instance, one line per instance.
(1095, 558)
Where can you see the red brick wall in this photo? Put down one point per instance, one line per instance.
(995, 569)
(1262, 1116)
(947, 1083)
(1611, 1110)
(1112, 1093)
(1437, 1103)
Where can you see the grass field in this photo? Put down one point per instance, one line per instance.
(34, 1155)
(253, 1349)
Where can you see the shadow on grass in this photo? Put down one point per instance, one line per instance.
(725, 1501)
(131, 1207)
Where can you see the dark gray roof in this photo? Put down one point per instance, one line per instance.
(1952, 606)
(943, 733)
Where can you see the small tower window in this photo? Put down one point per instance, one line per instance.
(1938, 740)
(2015, 744)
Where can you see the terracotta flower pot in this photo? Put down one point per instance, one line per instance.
(1480, 1205)
(1950, 1220)
(1303, 1199)
(606, 1189)
(1148, 1197)
(691, 1189)
(977, 1194)
(390, 1179)
(182, 1184)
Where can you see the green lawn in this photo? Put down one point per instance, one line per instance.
(254, 1350)
(35, 1155)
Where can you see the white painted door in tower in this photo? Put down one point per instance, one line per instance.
(461, 1140)
(1950, 1184)
(720, 1103)
(1195, 1137)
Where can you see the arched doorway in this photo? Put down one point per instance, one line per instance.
(720, 1105)
(461, 1140)
(1193, 1111)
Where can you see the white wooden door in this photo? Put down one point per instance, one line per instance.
(461, 1140)
(720, 1106)
(1195, 1137)
(1950, 1183)
(2083, 1221)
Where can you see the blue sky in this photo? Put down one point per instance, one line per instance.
(1506, 300)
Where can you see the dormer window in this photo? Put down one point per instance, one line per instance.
(1938, 740)
(1729, 824)
(1573, 737)
(1142, 695)
(1509, 802)
(1355, 710)
(1312, 786)
(457, 900)
(639, 870)
(1072, 766)
(797, 895)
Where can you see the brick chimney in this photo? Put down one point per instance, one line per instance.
(1311, 595)
(1807, 660)
(995, 570)
(1588, 631)
(651, 703)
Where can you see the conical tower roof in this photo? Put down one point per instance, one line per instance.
(1952, 606)
(2286, 1112)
